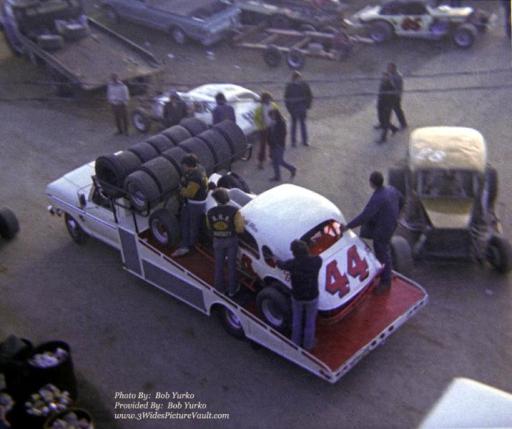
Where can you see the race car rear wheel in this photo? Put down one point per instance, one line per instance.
(380, 31)
(141, 121)
(77, 234)
(231, 323)
(165, 227)
(275, 308)
(401, 254)
(464, 36)
(499, 254)
(9, 225)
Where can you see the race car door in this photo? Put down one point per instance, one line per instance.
(414, 20)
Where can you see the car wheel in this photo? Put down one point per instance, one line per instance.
(464, 36)
(9, 225)
(141, 121)
(165, 227)
(204, 154)
(380, 32)
(78, 235)
(175, 155)
(272, 56)
(163, 173)
(144, 151)
(111, 171)
(160, 142)
(112, 15)
(295, 59)
(179, 36)
(499, 254)
(275, 308)
(401, 254)
(142, 190)
(396, 178)
(231, 323)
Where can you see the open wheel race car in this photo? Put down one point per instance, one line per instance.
(451, 195)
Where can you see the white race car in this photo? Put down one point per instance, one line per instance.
(200, 102)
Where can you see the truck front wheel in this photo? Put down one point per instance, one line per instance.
(78, 235)
(275, 308)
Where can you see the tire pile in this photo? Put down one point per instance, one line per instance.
(148, 172)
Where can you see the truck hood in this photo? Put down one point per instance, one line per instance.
(67, 187)
(449, 213)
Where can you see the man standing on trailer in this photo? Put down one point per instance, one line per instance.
(118, 97)
(225, 222)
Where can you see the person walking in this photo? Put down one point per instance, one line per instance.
(225, 221)
(507, 9)
(222, 110)
(276, 142)
(298, 98)
(262, 121)
(118, 97)
(174, 110)
(304, 270)
(194, 189)
(397, 82)
(378, 222)
(385, 102)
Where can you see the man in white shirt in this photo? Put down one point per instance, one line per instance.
(118, 96)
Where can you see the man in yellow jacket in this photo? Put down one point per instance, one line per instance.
(263, 121)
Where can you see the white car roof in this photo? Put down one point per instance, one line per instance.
(208, 91)
(284, 213)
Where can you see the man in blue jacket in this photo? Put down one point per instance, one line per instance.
(378, 221)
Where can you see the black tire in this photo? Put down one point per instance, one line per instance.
(111, 15)
(396, 178)
(177, 134)
(165, 228)
(280, 21)
(50, 42)
(499, 254)
(77, 234)
(233, 181)
(380, 31)
(272, 56)
(275, 308)
(194, 125)
(142, 190)
(163, 173)
(160, 142)
(464, 36)
(231, 323)
(141, 121)
(144, 151)
(401, 255)
(234, 136)
(202, 151)
(178, 36)
(112, 170)
(9, 225)
(175, 155)
(219, 146)
(295, 59)
(491, 182)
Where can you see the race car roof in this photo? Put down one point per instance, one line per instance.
(229, 90)
(284, 213)
(448, 148)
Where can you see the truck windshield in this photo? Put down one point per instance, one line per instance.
(322, 237)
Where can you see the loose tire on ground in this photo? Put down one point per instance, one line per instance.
(234, 136)
(396, 178)
(141, 120)
(78, 235)
(220, 148)
(231, 323)
(165, 227)
(499, 254)
(142, 190)
(401, 254)
(202, 151)
(464, 36)
(161, 143)
(380, 31)
(272, 56)
(177, 134)
(9, 225)
(194, 126)
(144, 151)
(112, 170)
(275, 308)
(175, 155)
(163, 173)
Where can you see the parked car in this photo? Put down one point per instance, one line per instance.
(205, 21)
(9, 226)
(451, 193)
(418, 19)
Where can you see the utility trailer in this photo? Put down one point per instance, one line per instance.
(79, 52)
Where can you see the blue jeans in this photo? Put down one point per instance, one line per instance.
(277, 153)
(301, 118)
(222, 248)
(383, 253)
(304, 322)
(191, 217)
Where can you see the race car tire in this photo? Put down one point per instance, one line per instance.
(163, 173)
(380, 31)
(295, 59)
(280, 21)
(112, 170)
(142, 190)
(141, 121)
(144, 151)
(401, 254)
(165, 228)
(178, 36)
(160, 142)
(112, 15)
(177, 134)
(230, 322)
(194, 125)
(9, 225)
(464, 36)
(234, 136)
(76, 232)
(272, 56)
(219, 147)
(175, 155)
(275, 308)
(396, 178)
(491, 179)
(202, 151)
(233, 181)
(499, 254)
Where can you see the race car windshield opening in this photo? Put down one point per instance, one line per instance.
(322, 236)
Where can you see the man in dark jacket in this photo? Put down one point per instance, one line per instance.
(398, 88)
(222, 110)
(378, 221)
(174, 110)
(298, 98)
(385, 102)
(276, 142)
(304, 270)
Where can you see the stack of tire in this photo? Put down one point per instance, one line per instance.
(148, 172)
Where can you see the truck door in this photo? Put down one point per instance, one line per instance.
(99, 218)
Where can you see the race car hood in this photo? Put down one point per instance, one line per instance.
(451, 12)
(449, 213)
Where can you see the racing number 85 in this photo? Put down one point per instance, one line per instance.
(338, 283)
